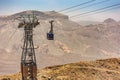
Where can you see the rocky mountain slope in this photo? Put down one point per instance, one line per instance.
(42, 15)
(108, 69)
(72, 43)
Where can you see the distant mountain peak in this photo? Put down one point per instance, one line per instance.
(51, 11)
(42, 15)
(109, 20)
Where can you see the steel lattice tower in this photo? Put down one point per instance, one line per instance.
(28, 59)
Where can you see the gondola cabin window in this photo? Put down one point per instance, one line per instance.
(50, 36)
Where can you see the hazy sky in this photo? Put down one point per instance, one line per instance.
(13, 6)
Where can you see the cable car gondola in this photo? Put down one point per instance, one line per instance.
(50, 34)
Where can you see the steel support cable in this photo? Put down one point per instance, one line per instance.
(95, 10)
(77, 5)
(97, 3)
(13, 34)
(103, 11)
(84, 3)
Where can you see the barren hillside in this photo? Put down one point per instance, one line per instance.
(108, 69)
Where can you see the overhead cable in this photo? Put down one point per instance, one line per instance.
(95, 10)
(97, 3)
(76, 5)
